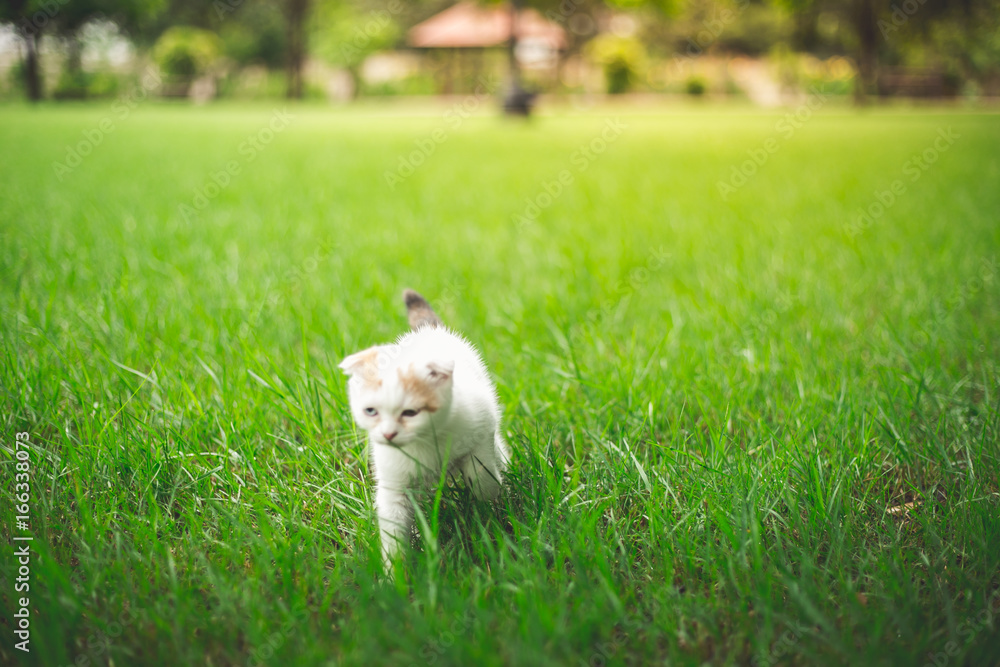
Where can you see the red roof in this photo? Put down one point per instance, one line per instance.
(470, 25)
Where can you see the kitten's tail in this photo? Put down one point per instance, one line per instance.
(419, 312)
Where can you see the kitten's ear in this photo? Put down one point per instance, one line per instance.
(440, 372)
(365, 361)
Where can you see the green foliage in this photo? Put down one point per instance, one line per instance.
(68, 16)
(255, 37)
(72, 85)
(75, 85)
(344, 34)
(253, 83)
(622, 58)
(755, 29)
(716, 407)
(970, 44)
(183, 52)
(696, 86)
(12, 86)
(416, 84)
(665, 7)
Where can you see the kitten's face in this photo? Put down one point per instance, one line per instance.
(395, 402)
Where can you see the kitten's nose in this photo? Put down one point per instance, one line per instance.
(390, 436)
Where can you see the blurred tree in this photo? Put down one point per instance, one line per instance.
(862, 17)
(964, 36)
(257, 36)
(64, 19)
(972, 41)
(346, 33)
(195, 13)
(251, 31)
(961, 38)
(296, 12)
(30, 20)
(621, 58)
(72, 16)
(184, 53)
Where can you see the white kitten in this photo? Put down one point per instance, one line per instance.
(427, 402)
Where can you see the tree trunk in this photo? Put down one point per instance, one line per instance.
(866, 28)
(517, 101)
(806, 32)
(514, 68)
(355, 74)
(32, 73)
(296, 11)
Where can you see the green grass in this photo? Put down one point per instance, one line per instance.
(716, 407)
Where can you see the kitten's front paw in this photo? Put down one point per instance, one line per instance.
(395, 521)
(481, 480)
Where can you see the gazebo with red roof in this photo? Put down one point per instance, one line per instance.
(467, 30)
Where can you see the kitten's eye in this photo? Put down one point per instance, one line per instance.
(371, 412)
(410, 413)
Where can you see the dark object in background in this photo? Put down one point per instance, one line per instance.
(518, 101)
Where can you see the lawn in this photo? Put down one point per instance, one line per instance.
(749, 367)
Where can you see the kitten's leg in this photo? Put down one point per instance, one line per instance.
(502, 451)
(395, 519)
(481, 472)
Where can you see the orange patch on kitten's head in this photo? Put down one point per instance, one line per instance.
(364, 366)
(419, 389)
(425, 386)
